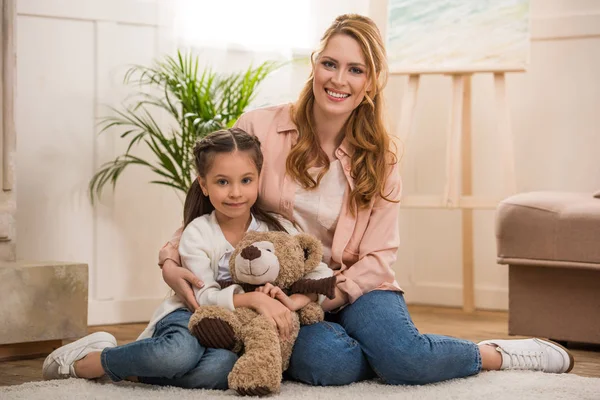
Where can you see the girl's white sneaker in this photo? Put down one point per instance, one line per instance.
(533, 354)
(59, 364)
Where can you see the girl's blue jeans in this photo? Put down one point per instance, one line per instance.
(171, 357)
(375, 337)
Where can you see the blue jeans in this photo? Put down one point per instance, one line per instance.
(375, 337)
(171, 357)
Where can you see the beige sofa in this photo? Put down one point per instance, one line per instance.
(551, 244)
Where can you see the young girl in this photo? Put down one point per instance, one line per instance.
(219, 208)
(331, 169)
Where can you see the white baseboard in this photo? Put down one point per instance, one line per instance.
(109, 312)
(451, 295)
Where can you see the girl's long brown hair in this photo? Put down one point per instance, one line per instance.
(364, 130)
(223, 141)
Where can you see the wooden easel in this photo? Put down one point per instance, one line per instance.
(458, 191)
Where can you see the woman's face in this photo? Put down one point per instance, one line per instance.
(340, 77)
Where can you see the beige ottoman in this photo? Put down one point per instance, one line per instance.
(551, 243)
(43, 303)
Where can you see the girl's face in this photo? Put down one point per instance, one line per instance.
(231, 185)
(340, 77)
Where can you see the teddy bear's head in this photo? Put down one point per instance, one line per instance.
(275, 257)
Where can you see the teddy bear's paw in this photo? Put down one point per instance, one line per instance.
(259, 367)
(251, 376)
(257, 391)
(215, 333)
(311, 314)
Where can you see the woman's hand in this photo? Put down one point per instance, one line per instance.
(340, 298)
(181, 280)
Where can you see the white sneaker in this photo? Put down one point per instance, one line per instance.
(533, 354)
(59, 364)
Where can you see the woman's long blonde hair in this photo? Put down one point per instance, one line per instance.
(364, 130)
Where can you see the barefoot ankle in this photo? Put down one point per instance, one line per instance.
(89, 367)
(491, 359)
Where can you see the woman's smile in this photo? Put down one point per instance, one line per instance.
(335, 95)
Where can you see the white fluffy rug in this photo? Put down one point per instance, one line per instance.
(485, 386)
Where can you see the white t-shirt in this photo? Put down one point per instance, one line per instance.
(317, 211)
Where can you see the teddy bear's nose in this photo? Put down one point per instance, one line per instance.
(250, 253)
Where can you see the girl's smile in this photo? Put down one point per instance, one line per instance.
(235, 205)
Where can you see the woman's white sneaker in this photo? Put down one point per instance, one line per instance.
(533, 354)
(59, 364)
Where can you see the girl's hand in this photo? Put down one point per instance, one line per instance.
(269, 289)
(181, 281)
(276, 311)
(275, 292)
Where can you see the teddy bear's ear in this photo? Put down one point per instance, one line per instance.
(313, 250)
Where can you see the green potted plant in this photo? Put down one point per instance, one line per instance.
(197, 103)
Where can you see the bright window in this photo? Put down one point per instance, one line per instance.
(254, 25)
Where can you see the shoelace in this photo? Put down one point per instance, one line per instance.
(526, 360)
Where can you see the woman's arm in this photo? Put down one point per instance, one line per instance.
(170, 250)
(182, 281)
(377, 250)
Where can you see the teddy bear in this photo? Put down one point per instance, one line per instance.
(259, 258)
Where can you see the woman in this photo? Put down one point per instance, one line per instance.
(331, 149)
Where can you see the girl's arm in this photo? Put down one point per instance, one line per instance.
(193, 247)
(377, 250)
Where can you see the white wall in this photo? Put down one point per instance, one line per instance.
(556, 128)
(71, 59)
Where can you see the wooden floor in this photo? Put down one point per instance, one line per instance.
(477, 326)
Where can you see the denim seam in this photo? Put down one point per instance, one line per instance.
(478, 359)
(338, 334)
(379, 375)
(405, 317)
(104, 362)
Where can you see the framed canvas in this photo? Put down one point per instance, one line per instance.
(457, 35)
